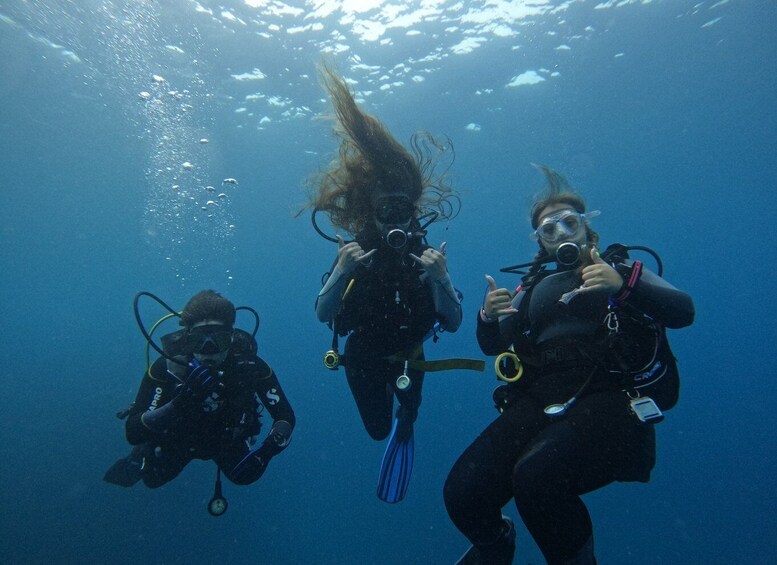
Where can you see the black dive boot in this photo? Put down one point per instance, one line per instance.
(498, 553)
(405, 419)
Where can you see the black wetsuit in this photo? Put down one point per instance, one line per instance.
(221, 428)
(546, 464)
(387, 313)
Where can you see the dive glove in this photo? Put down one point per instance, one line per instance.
(253, 465)
(200, 383)
(193, 393)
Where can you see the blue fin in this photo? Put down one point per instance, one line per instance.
(396, 468)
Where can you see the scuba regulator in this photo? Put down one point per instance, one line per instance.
(218, 504)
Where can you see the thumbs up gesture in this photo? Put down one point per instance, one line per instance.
(600, 276)
(498, 301)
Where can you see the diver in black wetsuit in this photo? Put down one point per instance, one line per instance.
(387, 289)
(590, 337)
(393, 304)
(202, 402)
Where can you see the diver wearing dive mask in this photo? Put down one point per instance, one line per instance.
(201, 399)
(207, 341)
(393, 217)
(568, 420)
(563, 234)
(209, 338)
(562, 224)
(387, 290)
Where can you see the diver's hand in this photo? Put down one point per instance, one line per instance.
(278, 438)
(600, 276)
(433, 262)
(252, 466)
(498, 301)
(250, 469)
(198, 385)
(350, 255)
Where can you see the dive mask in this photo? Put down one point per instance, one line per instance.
(203, 340)
(564, 224)
(394, 211)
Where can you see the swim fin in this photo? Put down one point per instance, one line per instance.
(397, 465)
(128, 470)
(498, 553)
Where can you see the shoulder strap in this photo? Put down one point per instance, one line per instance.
(523, 310)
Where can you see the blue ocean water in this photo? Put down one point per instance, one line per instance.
(660, 113)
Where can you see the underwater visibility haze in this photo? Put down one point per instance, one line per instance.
(167, 146)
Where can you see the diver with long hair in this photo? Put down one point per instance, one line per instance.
(590, 373)
(387, 289)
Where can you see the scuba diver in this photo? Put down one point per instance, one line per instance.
(589, 371)
(200, 400)
(387, 289)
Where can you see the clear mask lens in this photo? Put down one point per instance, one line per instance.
(565, 224)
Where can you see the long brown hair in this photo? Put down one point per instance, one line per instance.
(371, 161)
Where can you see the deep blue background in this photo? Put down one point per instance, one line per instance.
(674, 141)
